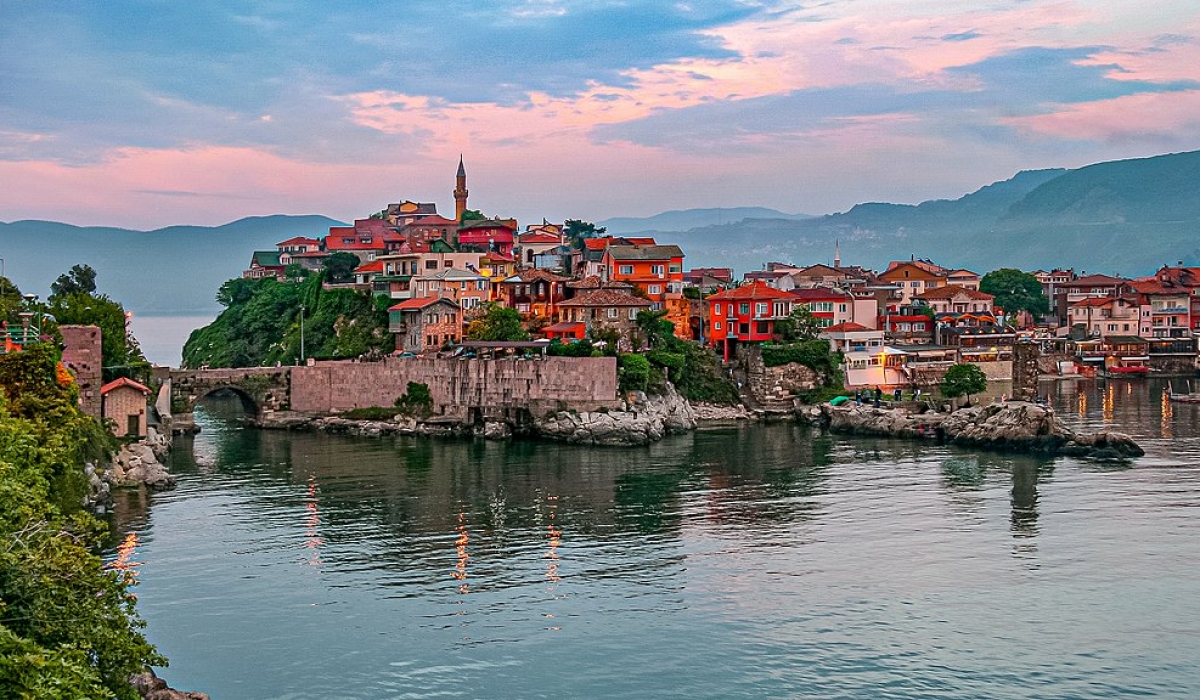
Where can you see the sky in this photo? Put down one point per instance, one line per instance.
(149, 113)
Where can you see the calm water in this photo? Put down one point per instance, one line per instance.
(737, 562)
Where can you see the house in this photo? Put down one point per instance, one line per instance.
(496, 267)
(820, 275)
(534, 293)
(123, 401)
(299, 244)
(912, 278)
(656, 271)
(364, 244)
(589, 259)
(831, 306)
(1170, 307)
(425, 324)
(866, 361)
(909, 325)
(778, 279)
(537, 242)
(404, 213)
(487, 235)
(746, 314)
(708, 277)
(1054, 284)
(963, 278)
(469, 289)
(952, 299)
(1088, 286)
(264, 263)
(604, 310)
(1100, 317)
(565, 331)
(368, 272)
(1187, 278)
(431, 228)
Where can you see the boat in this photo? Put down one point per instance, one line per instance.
(1190, 397)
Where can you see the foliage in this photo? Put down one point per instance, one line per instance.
(295, 271)
(497, 323)
(814, 354)
(633, 372)
(800, 325)
(1015, 291)
(261, 324)
(416, 399)
(578, 348)
(963, 379)
(471, 215)
(692, 293)
(340, 267)
(67, 626)
(81, 279)
(693, 370)
(74, 301)
(576, 230)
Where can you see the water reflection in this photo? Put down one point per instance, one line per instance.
(312, 523)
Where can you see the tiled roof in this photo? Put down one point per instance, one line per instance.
(373, 266)
(419, 303)
(266, 258)
(538, 238)
(644, 252)
(754, 291)
(124, 381)
(1096, 281)
(818, 294)
(535, 275)
(952, 290)
(298, 240)
(563, 327)
(594, 282)
(845, 327)
(605, 297)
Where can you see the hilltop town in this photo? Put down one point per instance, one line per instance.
(899, 327)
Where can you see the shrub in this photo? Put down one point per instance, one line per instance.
(416, 399)
(633, 371)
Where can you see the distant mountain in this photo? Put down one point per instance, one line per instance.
(686, 219)
(1122, 217)
(174, 270)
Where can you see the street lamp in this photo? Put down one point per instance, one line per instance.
(303, 358)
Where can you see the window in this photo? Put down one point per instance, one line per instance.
(656, 270)
(918, 326)
(633, 312)
(760, 309)
(431, 264)
(717, 326)
(744, 308)
(654, 289)
(625, 269)
(716, 309)
(448, 263)
(676, 267)
(842, 308)
(912, 284)
(612, 313)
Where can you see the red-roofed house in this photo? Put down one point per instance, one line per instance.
(952, 299)
(655, 270)
(367, 272)
(487, 235)
(745, 314)
(299, 244)
(1100, 317)
(604, 310)
(1170, 307)
(123, 401)
(534, 292)
(424, 324)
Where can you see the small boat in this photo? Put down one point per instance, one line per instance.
(1190, 397)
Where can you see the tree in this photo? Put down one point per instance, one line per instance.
(80, 278)
(294, 271)
(1015, 291)
(576, 230)
(498, 323)
(471, 215)
(800, 325)
(964, 379)
(340, 266)
(236, 291)
(656, 328)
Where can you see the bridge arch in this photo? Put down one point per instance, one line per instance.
(260, 389)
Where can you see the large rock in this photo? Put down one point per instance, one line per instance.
(137, 465)
(1014, 426)
(151, 687)
(641, 420)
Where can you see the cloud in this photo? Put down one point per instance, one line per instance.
(961, 36)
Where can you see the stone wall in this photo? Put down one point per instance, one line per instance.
(81, 352)
(1025, 370)
(457, 385)
(774, 387)
(997, 371)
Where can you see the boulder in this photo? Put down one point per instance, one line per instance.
(151, 687)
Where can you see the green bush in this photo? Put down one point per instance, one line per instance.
(416, 399)
(371, 413)
(578, 348)
(633, 372)
(671, 360)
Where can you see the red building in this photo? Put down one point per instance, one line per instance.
(746, 314)
(487, 235)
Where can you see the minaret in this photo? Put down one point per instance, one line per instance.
(837, 254)
(460, 191)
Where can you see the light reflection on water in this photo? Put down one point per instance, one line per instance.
(751, 561)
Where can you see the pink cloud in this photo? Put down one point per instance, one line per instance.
(1163, 116)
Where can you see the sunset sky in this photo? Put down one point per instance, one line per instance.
(145, 114)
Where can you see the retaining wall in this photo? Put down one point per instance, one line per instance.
(457, 385)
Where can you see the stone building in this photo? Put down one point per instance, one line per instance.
(425, 324)
(124, 402)
(82, 355)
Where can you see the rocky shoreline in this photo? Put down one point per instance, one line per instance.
(1015, 426)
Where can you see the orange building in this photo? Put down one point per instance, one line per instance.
(656, 272)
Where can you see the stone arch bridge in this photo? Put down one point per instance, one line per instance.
(260, 389)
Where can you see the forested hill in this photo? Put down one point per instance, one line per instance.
(174, 270)
(1126, 217)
